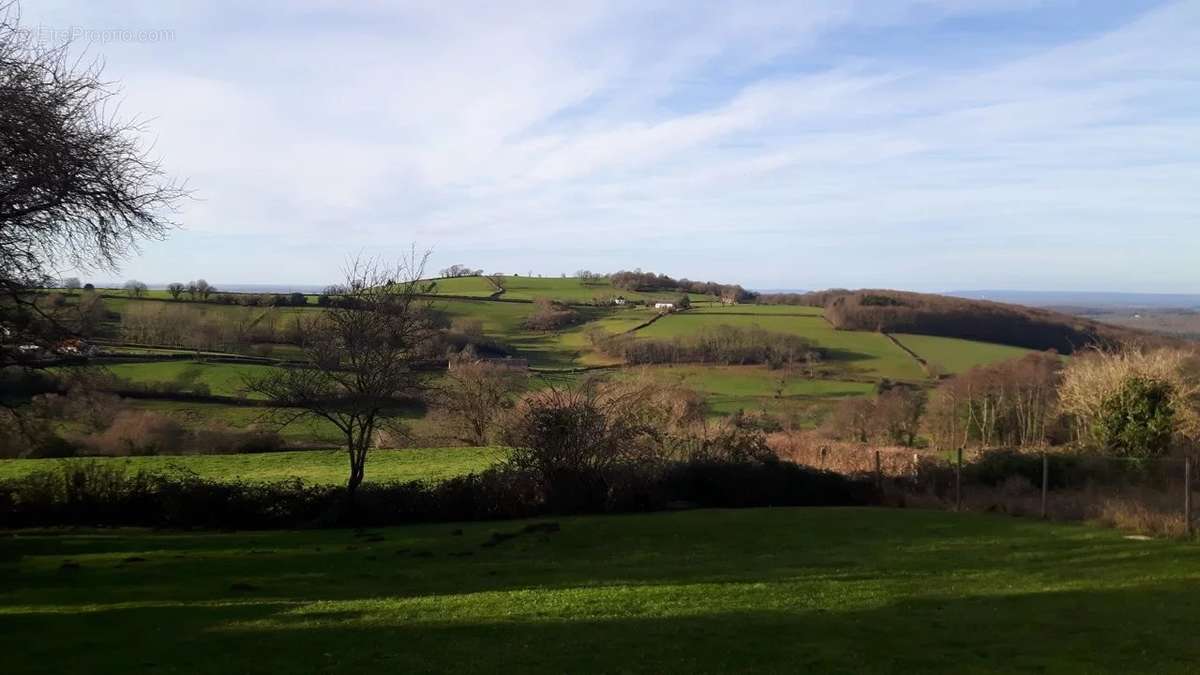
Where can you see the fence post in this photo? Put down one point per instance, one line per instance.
(1187, 495)
(958, 482)
(878, 472)
(1045, 480)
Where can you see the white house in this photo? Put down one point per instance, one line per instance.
(668, 306)
(620, 300)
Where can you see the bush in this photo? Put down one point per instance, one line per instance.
(1139, 420)
(552, 315)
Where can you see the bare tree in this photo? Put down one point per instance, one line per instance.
(135, 288)
(204, 289)
(474, 395)
(175, 289)
(359, 356)
(71, 284)
(77, 188)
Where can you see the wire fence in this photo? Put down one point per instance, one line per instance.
(1147, 495)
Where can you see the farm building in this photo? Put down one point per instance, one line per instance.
(667, 306)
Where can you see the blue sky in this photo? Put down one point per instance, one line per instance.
(928, 145)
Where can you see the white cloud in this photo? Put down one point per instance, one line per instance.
(778, 129)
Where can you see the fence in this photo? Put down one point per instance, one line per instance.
(1151, 495)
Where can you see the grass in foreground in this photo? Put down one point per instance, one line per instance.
(313, 466)
(765, 590)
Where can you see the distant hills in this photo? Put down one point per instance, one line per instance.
(1095, 299)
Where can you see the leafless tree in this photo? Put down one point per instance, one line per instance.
(135, 288)
(175, 289)
(474, 394)
(77, 188)
(359, 356)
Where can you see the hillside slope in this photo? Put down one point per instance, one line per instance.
(927, 314)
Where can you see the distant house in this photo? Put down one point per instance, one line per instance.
(666, 306)
(75, 347)
(620, 300)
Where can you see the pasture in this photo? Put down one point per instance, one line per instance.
(476, 287)
(329, 467)
(755, 590)
(220, 379)
(579, 291)
(728, 389)
(954, 356)
(861, 352)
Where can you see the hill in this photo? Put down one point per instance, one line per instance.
(979, 320)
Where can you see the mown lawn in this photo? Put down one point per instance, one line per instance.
(953, 355)
(328, 467)
(764, 590)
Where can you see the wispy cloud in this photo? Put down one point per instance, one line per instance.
(789, 144)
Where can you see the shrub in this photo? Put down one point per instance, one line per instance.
(137, 432)
(1138, 420)
(552, 315)
(1121, 400)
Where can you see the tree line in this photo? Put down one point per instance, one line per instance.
(724, 345)
(638, 280)
(1135, 402)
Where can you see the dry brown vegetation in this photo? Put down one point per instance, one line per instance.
(1094, 378)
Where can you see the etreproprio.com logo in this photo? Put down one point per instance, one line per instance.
(58, 35)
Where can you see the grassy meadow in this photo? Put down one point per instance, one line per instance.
(758, 590)
(728, 389)
(857, 359)
(573, 290)
(221, 379)
(953, 355)
(871, 354)
(329, 467)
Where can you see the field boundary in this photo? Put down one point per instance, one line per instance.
(901, 345)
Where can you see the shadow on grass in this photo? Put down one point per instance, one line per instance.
(1141, 629)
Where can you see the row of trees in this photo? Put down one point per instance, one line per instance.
(459, 271)
(638, 280)
(198, 289)
(209, 329)
(725, 345)
(1132, 402)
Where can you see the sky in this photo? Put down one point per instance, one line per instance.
(917, 144)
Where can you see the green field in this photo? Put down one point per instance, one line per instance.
(478, 287)
(195, 414)
(955, 356)
(757, 590)
(222, 379)
(860, 351)
(328, 467)
(728, 389)
(573, 290)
